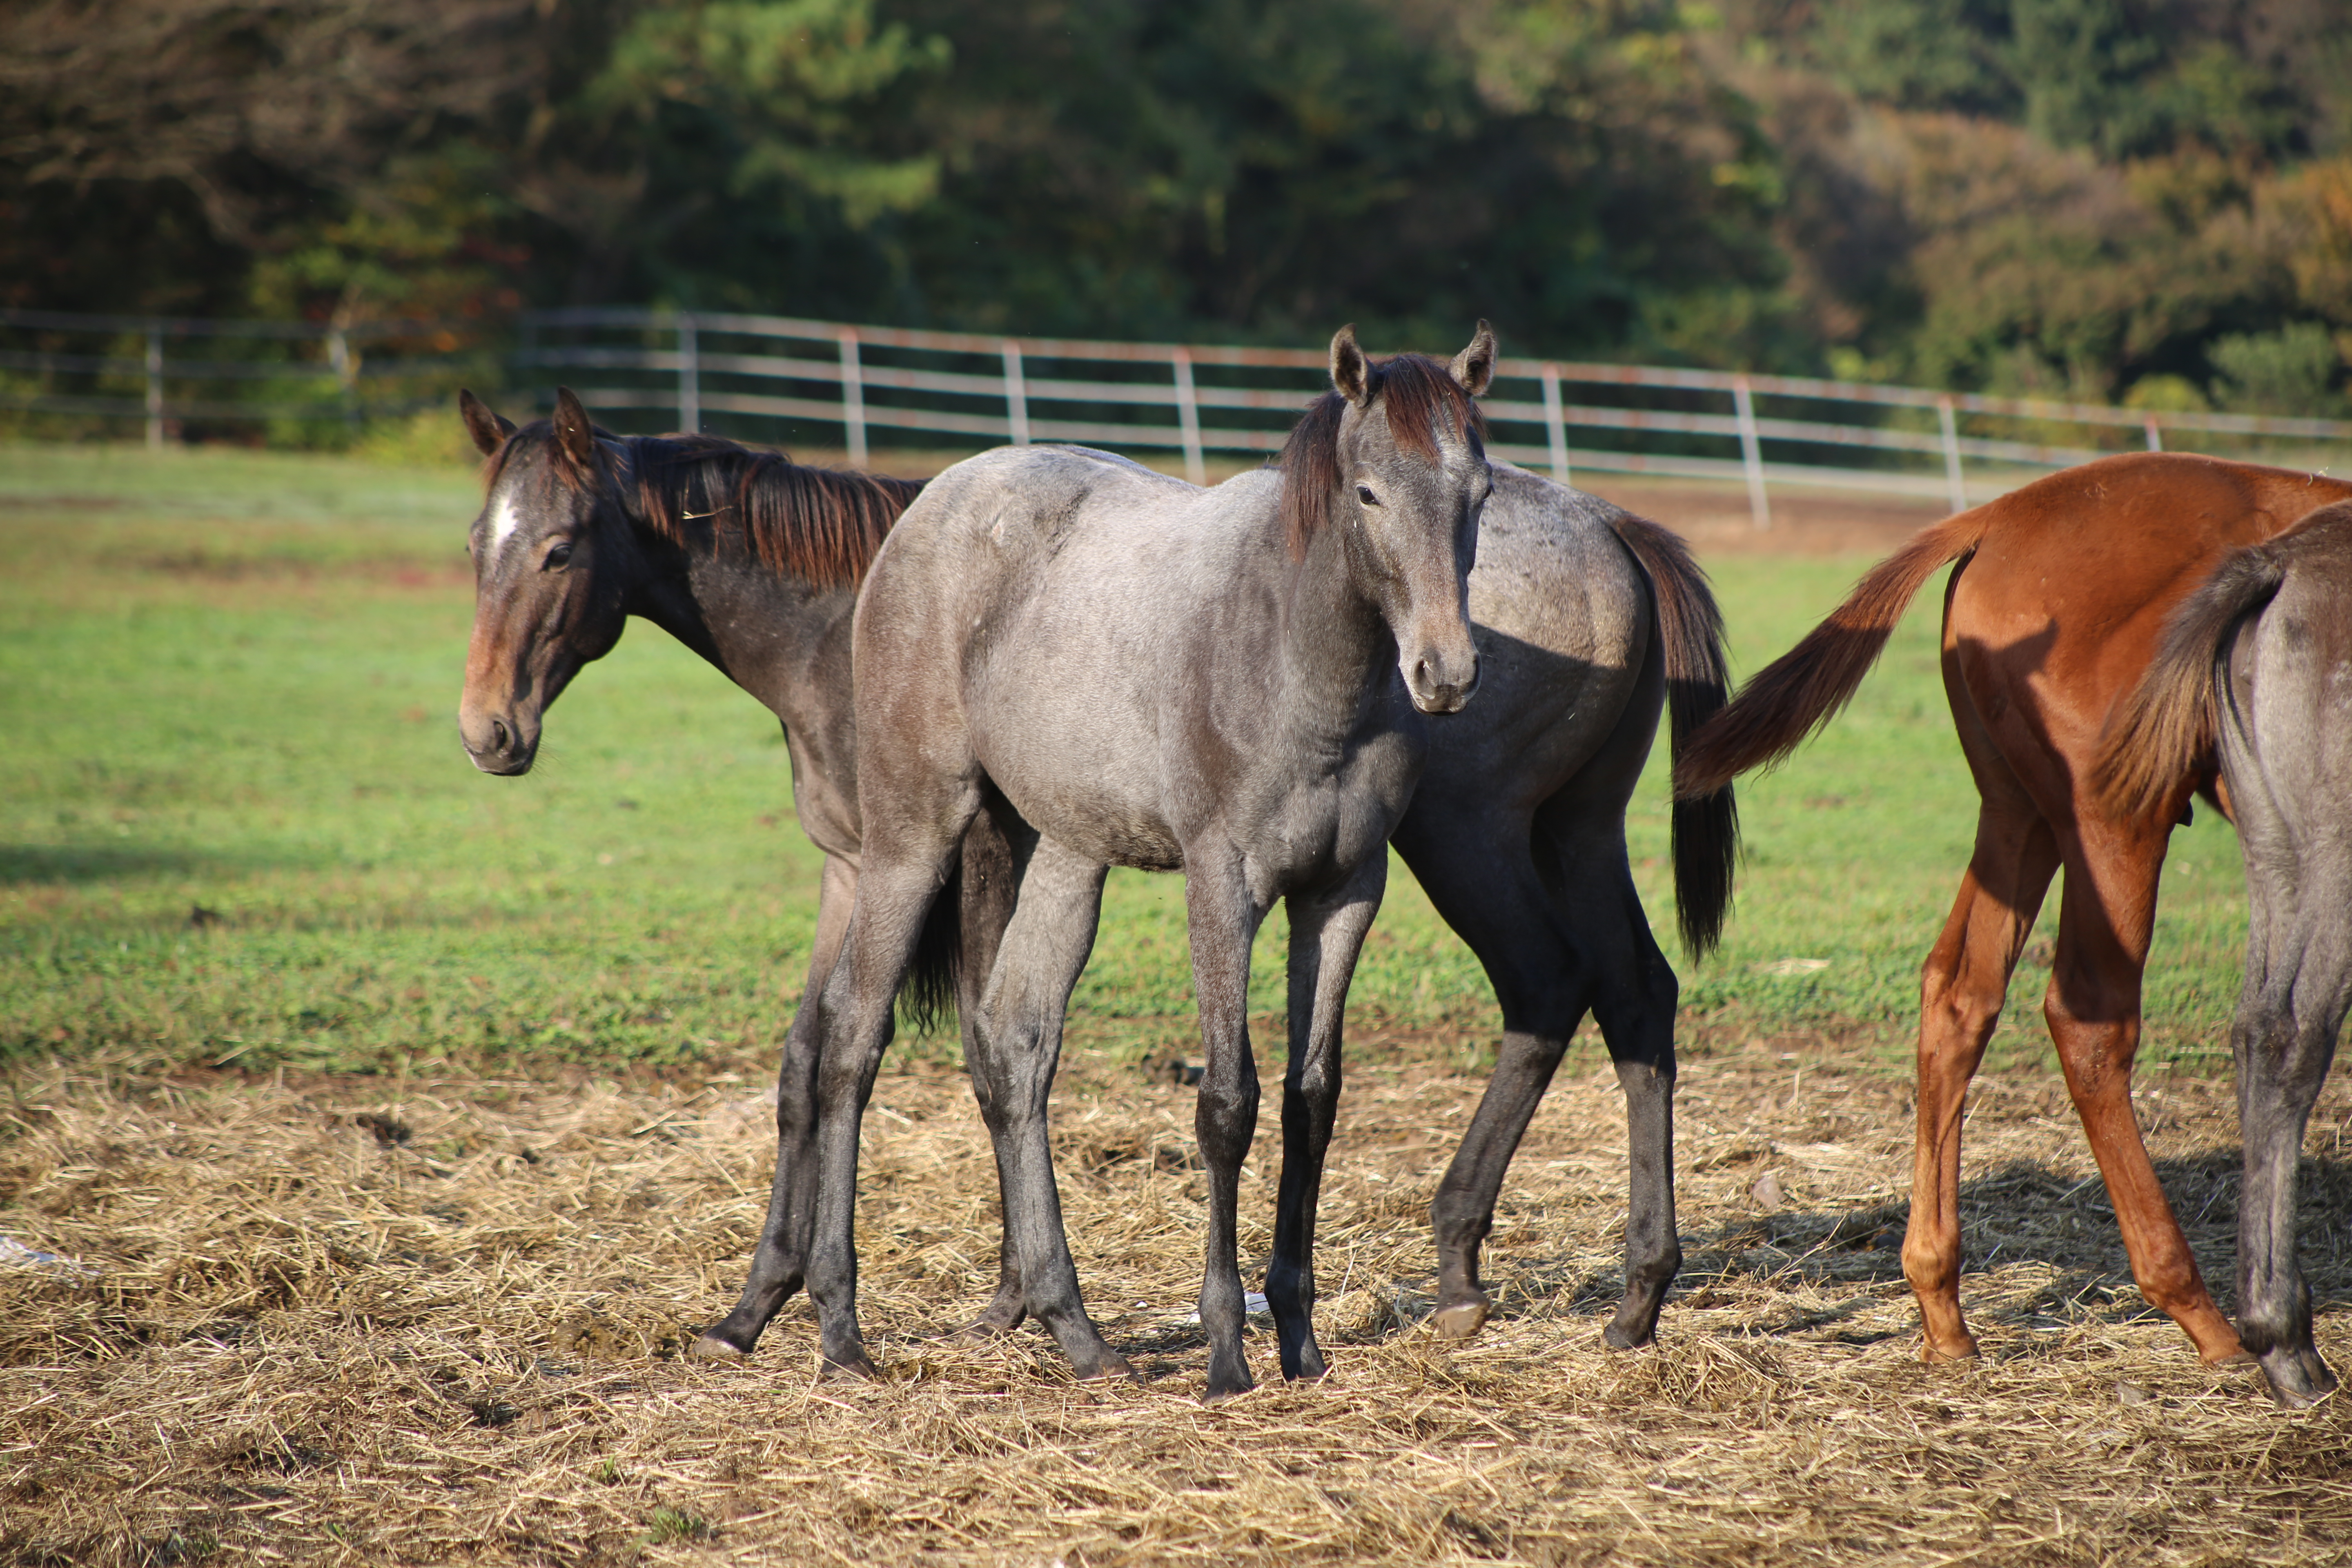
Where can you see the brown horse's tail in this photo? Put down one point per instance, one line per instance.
(1803, 689)
(2165, 728)
(1690, 632)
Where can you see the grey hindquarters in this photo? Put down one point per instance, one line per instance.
(2285, 741)
(1518, 834)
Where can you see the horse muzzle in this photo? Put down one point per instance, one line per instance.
(499, 743)
(1440, 682)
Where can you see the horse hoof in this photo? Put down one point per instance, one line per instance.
(857, 1369)
(2298, 1379)
(1618, 1339)
(2239, 1357)
(1461, 1320)
(709, 1347)
(1110, 1366)
(1932, 1354)
(1218, 1392)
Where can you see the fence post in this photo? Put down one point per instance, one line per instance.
(689, 377)
(347, 378)
(2154, 434)
(155, 386)
(852, 399)
(1751, 452)
(1016, 394)
(1956, 488)
(1188, 415)
(1555, 422)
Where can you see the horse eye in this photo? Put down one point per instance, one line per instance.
(560, 554)
(1364, 493)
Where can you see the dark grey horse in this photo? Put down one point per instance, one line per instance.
(2251, 668)
(1124, 670)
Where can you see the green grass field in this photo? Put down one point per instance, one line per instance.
(238, 824)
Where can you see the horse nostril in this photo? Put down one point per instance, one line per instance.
(499, 738)
(1421, 677)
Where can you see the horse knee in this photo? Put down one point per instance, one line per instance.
(1224, 1118)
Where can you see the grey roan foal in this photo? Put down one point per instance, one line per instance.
(1123, 670)
(2252, 665)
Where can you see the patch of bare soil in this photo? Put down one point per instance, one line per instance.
(437, 1321)
(1716, 520)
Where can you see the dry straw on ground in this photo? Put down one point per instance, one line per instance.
(436, 1320)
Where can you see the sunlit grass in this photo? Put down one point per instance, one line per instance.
(235, 824)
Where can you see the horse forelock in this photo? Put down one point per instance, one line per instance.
(822, 525)
(1420, 396)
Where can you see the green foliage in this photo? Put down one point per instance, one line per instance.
(2050, 195)
(2291, 371)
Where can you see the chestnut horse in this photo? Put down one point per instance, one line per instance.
(2052, 613)
(2249, 670)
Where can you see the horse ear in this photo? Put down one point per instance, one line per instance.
(490, 430)
(1474, 367)
(1352, 374)
(574, 431)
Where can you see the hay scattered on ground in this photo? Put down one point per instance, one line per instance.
(436, 1320)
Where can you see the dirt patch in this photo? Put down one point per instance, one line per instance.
(305, 1338)
(1716, 520)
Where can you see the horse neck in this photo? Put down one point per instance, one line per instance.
(774, 635)
(1334, 647)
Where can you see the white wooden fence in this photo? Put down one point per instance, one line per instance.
(823, 381)
(970, 388)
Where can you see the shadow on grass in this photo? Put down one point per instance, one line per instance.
(31, 864)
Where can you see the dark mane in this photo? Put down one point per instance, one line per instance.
(1419, 392)
(822, 525)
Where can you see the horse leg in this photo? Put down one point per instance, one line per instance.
(996, 847)
(1222, 916)
(2298, 983)
(779, 1260)
(854, 1025)
(1327, 932)
(2109, 910)
(1479, 878)
(2285, 1039)
(1020, 1040)
(1961, 988)
(1634, 995)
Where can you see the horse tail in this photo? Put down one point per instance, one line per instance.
(1802, 690)
(927, 997)
(1689, 631)
(2165, 725)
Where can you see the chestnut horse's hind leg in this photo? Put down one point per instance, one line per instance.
(1960, 991)
(781, 1260)
(2093, 1010)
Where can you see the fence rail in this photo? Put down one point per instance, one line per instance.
(752, 373)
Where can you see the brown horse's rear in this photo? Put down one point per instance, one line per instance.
(2056, 608)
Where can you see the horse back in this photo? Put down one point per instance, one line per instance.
(2064, 603)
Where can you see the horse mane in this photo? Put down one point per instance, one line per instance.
(822, 525)
(1420, 393)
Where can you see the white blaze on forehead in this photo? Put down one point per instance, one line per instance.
(504, 520)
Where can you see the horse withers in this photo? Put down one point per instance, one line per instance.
(1124, 670)
(2052, 613)
(2251, 670)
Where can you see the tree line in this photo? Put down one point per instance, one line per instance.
(2148, 200)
